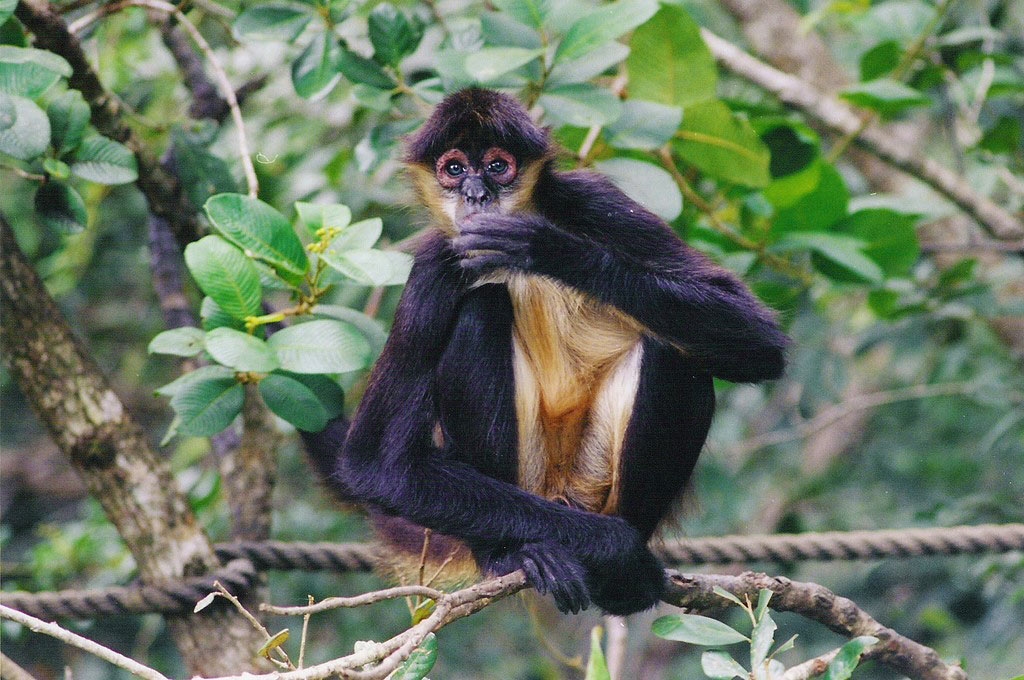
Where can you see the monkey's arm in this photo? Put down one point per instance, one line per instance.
(389, 460)
(591, 236)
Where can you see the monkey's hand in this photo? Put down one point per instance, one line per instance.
(623, 576)
(550, 568)
(489, 241)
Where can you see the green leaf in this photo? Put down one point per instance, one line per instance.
(581, 105)
(1003, 137)
(644, 125)
(206, 406)
(371, 328)
(8, 113)
(597, 667)
(69, 117)
(56, 169)
(392, 34)
(583, 69)
(315, 71)
(317, 216)
(891, 238)
(203, 373)
(899, 20)
(362, 70)
(262, 232)
(844, 663)
(6, 10)
(761, 639)
(721, 666)
(240, 351)
(104, 161)
(202, 173)
(372, 97)
(293, 401)
(697, 630)
(371, 267)
(669, 62)
(764, 596)
(722, 145)
(225, 274)
(272, 21)
(838, 257)
(321, 346)
(28, 134)
(28, 72)
(602, 26)
(357, 236)
(213, 316)
(722, 592)
(817, 209)
(880, 59)
(327, 391)
(492, 62)
(60, 208)
(884, 95)
(647, 184)
(530, 12)
(419, 662)
(183, 342)
(501, 30)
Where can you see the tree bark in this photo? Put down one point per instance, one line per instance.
(107, 448)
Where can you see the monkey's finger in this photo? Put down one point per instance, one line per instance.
(534, 575)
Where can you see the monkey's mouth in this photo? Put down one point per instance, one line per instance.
(465, 208)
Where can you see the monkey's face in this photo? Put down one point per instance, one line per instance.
(475, 182)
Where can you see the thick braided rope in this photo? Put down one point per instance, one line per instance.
(247, 559)
(173, 597)
(850, 545)
(298, 556)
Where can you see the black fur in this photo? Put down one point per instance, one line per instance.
(449, 361)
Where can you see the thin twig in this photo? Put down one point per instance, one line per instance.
(616, 646)
(305, 633)
(12, 671)
(226, 594)
(898, 73)
(812, 668)
(227, 91)
(355, 601)
(85, 644)
(837, 412)
(690, 194)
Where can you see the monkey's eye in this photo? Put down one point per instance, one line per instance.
(497, 166)
(454, 168)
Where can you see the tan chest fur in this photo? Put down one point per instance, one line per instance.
(577, 365)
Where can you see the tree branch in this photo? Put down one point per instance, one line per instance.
(107, 448)
(75, 640)
(817, 603)
(842, 119)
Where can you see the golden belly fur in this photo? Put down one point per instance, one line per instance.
(577, 365)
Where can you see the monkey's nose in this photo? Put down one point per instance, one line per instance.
(474, 191)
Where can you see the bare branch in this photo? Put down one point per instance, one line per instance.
(12, 671)
(842, 119)
(85, 644)
(355, 601)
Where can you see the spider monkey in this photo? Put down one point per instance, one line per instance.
(547, 384)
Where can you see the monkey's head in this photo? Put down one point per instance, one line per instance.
(478, 152)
